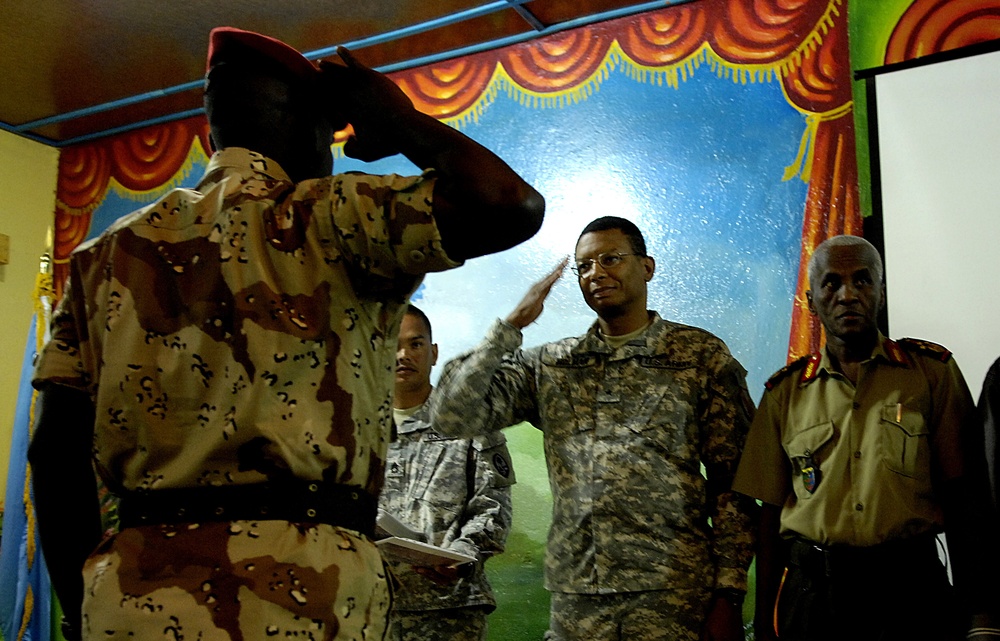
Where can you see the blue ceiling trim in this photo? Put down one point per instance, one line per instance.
(357, 44)
(389, 36)
(30, 136)
(125, 128)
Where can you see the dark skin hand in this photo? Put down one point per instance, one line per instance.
(443, 574)
(724, 622)
(531, 306)
(481, 205)
(65, 492)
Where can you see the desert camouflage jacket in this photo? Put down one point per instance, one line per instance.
(246, 327)
(227, 334)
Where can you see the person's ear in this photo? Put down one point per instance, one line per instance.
(809, 302)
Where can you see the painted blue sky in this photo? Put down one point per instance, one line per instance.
(699, 169)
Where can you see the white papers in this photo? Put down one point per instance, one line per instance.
(391, 526)
(400, 543)
(417, 553)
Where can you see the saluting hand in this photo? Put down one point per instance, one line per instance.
(368, 100)
(530, 307)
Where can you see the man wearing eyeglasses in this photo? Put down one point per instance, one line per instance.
(642, 545)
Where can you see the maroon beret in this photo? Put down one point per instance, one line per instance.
(229, 41)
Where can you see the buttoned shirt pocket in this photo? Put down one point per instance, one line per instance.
(805, 451)
(904, 438)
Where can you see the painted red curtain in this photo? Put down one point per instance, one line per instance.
(932, 26)
(801, 42)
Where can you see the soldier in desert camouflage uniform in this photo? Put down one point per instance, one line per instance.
(454, 492)
(629, 412)
(225, 357)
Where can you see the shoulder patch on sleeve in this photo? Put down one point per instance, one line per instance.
(491, 449)
(797, 364)
(927, 348)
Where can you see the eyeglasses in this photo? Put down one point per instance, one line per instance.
(608, 260)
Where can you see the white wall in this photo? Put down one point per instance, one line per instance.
(939, 142)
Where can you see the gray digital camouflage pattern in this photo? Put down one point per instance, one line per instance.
(456, 492)
(625, 431)
(460, 624)
(656, 615)
(244, 329)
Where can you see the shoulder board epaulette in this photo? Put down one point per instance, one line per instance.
(809, 364)
(927, 348)
(896, 353)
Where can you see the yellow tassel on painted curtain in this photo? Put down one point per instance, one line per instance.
(802, 165)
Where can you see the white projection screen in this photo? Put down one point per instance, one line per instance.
(938, 137)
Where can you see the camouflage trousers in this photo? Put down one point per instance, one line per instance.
(453, 624)
(656, 615)
(238, 581)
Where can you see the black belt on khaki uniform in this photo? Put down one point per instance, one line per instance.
(840, 559)
(295, 500)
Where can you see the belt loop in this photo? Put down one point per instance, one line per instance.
(828, 564)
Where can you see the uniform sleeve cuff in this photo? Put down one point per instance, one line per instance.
(504, 335)
(731, 579)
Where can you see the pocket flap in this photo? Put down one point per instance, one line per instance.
(808, 441)
(908, 420)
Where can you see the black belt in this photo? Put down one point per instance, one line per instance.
(829, 560)
(297, 501)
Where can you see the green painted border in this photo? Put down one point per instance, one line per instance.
(869, 25)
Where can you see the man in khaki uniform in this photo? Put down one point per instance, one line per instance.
(225, 357)
(859, 455)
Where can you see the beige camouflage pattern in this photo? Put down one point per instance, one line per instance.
(227, 582)
(625, 433)
(456, 492)
(246, 329)
(875, 445)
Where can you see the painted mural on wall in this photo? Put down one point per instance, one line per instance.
(721, 127)
(933, 26)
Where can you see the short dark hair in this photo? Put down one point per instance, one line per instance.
(625, 226)
(413, 310)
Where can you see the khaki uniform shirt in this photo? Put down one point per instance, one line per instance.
(626, 431)
(456, 493)
(242, 329)
(857, 465)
